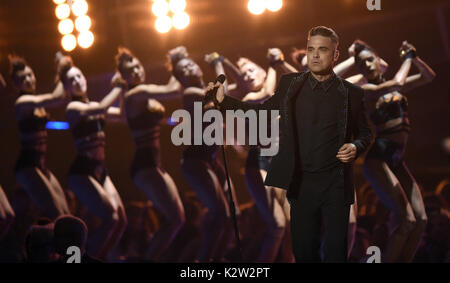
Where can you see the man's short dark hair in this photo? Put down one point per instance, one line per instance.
(324, 31)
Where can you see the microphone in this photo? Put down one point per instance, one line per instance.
(210, 100)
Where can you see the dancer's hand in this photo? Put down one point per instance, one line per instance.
(212, 57)
(275, 55)
(407, 50)
(220, 94)
(118, 81)
(347, 153)
(181, 50)
(61, 59)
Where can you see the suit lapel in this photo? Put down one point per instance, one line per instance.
(343, 121)
(294, 86)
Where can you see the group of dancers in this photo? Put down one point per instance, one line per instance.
(140, 106)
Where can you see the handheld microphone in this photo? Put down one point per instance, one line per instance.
(210, 100)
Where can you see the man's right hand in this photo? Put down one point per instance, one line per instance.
(220, 94)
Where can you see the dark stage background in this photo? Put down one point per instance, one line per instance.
(29, 28)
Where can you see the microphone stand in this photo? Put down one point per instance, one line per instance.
(231, 203)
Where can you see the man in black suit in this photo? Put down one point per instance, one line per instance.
(324, 129)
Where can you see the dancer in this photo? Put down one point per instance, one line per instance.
(384, 165)
(200, 166)
(88, 177)
(31, 169)
(271, 202)
(144, 115)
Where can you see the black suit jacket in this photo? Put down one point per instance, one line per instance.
(353, 127)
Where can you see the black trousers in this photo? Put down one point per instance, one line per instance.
(320, 201)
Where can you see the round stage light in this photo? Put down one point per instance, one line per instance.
(181, 20)
(274, 5)
(163, 24)
(177, 6)
(83, 23)
(62, 11)
(256, 7)
(79, 7)
(65, 26)
(69, 42)
(85, 39)
(160, 8)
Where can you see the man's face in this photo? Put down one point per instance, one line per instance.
(25, 80)
(76, 82)
(253, 75)
(133, 72)
(368, 64)
(321, 54)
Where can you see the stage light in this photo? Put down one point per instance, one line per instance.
(83, 23)
(69, 42)
(57, 125)
(65, 26)
(171, 122)
(180, 20)
(274, 5)
(85, 39)
(57, 2)
(160, 8)
(163, 24)
(177, 6)
(62, 11)
(79, 7)
(256, 7)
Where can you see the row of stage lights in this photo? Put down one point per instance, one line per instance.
(170, 14)
(72, 16)
(257, 7)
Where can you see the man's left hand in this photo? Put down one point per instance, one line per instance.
(347, 153)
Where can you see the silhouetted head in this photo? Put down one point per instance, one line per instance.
(321, 50)
(252, 73)
(39, 244)
(70, 231)
(21, 75)
(130, 67)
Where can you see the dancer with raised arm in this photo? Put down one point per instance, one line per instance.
(201, 167)
(88, 177)
(31, 169)
(384, 165)
(144, 114)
